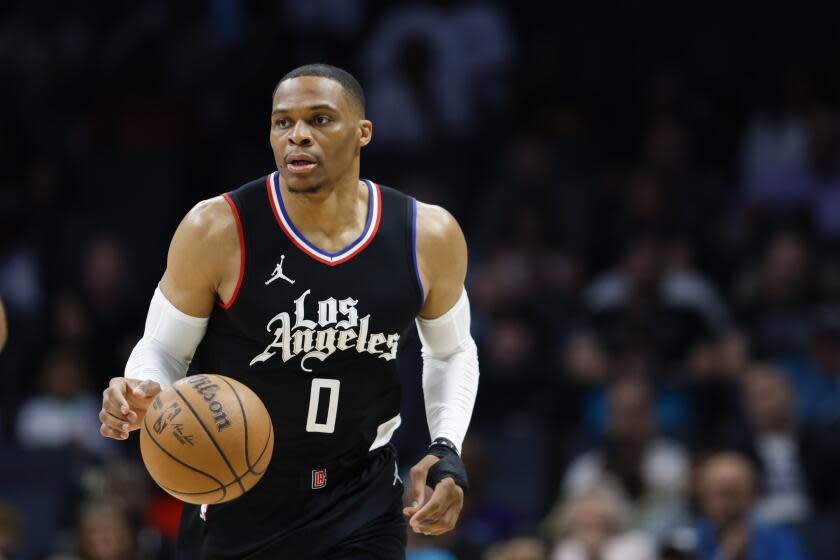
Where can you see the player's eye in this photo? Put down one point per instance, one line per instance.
(282, 123)
(321, 120)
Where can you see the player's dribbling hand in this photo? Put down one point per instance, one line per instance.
(440, 513)
(124, 405)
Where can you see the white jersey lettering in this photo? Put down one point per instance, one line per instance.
(310, 339)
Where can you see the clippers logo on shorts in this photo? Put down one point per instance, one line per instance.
(322, 338)
(319, 478)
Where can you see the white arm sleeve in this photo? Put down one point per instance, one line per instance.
(450, 371)
(168, 344)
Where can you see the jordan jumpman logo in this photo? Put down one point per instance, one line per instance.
(396, 475)
(278, 273)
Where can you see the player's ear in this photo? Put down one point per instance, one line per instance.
(365, 132)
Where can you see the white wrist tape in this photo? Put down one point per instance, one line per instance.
(168, 344)
(450, 371)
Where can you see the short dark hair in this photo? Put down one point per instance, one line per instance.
(350, 84)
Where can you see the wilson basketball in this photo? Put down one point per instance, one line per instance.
(207, 439)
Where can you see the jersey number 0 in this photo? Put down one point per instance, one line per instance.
(312, 424)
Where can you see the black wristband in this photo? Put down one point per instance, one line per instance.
(442, 441)
(449, 466)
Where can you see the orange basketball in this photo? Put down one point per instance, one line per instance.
(207, 439)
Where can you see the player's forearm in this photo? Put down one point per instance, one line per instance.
(450, 372)
(168, 344)
(450, 386)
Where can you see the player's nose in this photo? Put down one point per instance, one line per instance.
(301, 134)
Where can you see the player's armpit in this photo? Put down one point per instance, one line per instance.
(441, 259)
(203, 265)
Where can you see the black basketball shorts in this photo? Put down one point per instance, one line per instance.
(358, 518)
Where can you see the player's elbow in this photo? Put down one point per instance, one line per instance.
(466, 347)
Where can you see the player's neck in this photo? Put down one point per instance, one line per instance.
(331, 210)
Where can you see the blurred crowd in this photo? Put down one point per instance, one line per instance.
(650, 193)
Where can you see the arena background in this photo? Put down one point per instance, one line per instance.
(651, 197)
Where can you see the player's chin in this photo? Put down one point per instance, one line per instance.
(303, 185)
(301, 179)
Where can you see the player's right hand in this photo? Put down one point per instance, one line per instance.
(124, 404)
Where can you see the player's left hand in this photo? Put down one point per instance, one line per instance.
(440, 513)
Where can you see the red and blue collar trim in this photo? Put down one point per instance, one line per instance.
(272, 184)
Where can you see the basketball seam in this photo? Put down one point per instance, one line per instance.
(245, 425)
(221, 484)
(265, 446)
(223, 487)
(244, 421)
(198, 493)
(218, 447)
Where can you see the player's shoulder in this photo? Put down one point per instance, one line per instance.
(440, 243)
(435, 224)
(210, 217)
(216, 218)
(209, 227)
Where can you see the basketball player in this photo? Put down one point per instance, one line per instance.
(301, 285)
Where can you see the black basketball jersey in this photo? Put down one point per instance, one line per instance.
(316, 334)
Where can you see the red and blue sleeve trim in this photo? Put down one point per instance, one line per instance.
(414, 250)
(241, 253)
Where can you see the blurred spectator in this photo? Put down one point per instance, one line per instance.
(105, 534)
(815, 373)
(679, 544)
(799, 462)
(113, 305)
(593, 525)
(106, 277)
(710, 394)
(525, 268)
(726, 492)
(70, 322)
(20, 275)
(484, 520)
(124, 486)
(812, 182)
(716, 365)
(11, 533)
(430, 70)
(419, 550)
(128, 486)
(768, 402)
(523, 548)
(772, 143)
(511, 350)
(325, 17)
(649, 472)
(775, 299)
(66, 413)
(585, 360)
(644, 306)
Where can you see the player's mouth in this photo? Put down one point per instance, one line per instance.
(300, 164)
